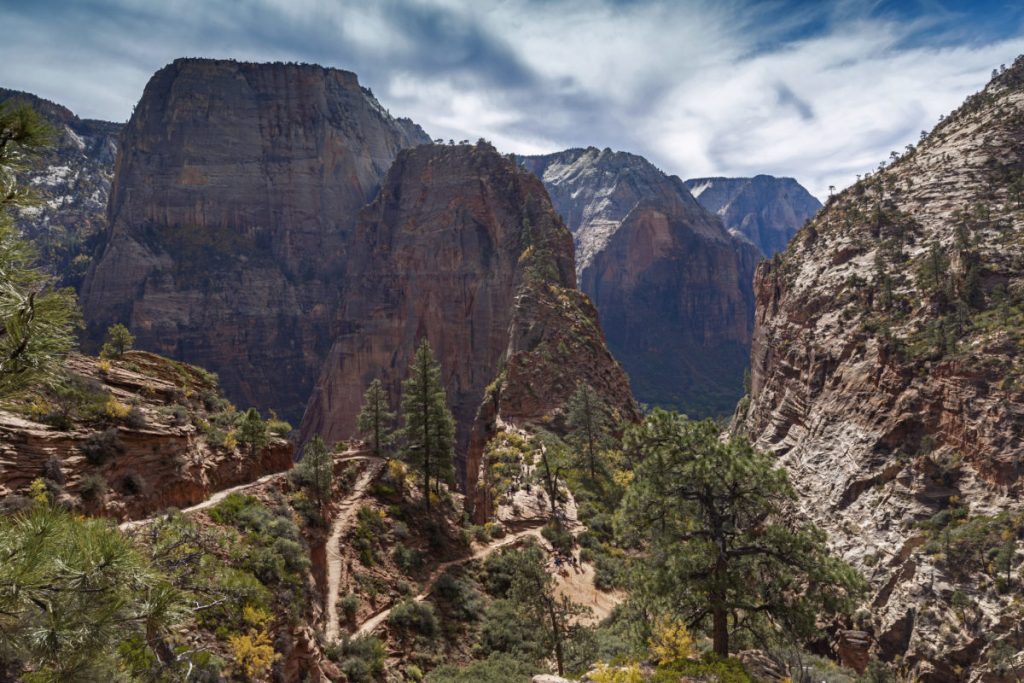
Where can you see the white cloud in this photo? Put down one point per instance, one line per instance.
(699, 87)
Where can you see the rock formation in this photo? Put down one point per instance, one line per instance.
(888, 377)
(766, 210)
(465, 249)
(73, 183)
(672, 286)
(127, 438)
(235, 192)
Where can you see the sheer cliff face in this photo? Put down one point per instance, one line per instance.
(888, 377)
(236, 189)
(672, 286)
(766, 210)
(73, 181)
(465, 249)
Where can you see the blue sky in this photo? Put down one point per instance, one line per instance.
(816, 90)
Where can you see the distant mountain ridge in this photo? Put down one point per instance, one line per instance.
(73, 180)
(672, 286)
(766, 210)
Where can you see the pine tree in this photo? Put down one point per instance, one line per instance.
(428, 432)
(252, 432)
(719, 543)
(375, 420)
(587, 418)
(118, 340)
(37, 323)
(316, 470)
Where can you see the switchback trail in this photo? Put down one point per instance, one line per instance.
(371, 624)
(341, 523)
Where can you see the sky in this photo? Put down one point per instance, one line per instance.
(817, 90)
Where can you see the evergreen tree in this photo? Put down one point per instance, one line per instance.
(118, 340)
(375, 420)
(76, 596)
(37, 322)
(429, 429)
(719, 543)
(587, 419)
(316, 470)
(252, 432)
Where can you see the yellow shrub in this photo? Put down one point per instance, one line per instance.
(671, 641)
(256, 617)
(115, 409)
(37, 492)
(39, 407)
(230, 441)
(397, 470)
(629, 673)
(253, 652)
(103, 366)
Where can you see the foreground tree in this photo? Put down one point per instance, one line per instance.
(375, 420)
(720, 544)
(74, 595)
(429, 429)
(588, 422)
(37, 323)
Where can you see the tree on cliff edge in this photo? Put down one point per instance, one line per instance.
(37, 322)
(428, 431)
(375, 419)
(719, 542)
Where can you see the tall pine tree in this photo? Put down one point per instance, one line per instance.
(428, 427)
(375, 420)
(587, 418)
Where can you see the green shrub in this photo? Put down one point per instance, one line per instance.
(362, 659)
(707, 668)
(132, 484)
(279, 427)
(559, 538)
(407, 559)
(92, 487)
(410, 618)
(463, 600)
(348, 607)
(506, 629)
(99, 447)
(498, 668)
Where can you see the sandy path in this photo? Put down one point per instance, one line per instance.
(221, 495)
(341, 523)
(371, 624)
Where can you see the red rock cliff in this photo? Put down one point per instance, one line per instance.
(235, 191)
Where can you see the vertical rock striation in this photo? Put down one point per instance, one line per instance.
(236, 189)
(888, 376)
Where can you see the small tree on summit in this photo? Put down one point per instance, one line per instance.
(118, 340)
(429, 429)
(252, 432)
(375, 420)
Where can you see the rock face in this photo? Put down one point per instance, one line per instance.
(236, 189)
(888, 376)
(672, 286)
(465, 249)
(766, 210)
(144, 426)
(73, 182)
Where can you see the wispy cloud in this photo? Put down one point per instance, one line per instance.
(819, 91)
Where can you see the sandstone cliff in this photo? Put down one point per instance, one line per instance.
(126, 438)
(72, 181)
(766, 210)
(464, 248)
(888, 376)
(672, 286)
(235, 192)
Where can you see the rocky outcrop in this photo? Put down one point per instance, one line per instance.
(672, 286)
(72, 180)
(127, 438)
(465, 249)
(236, 189)
(888, 378)
(766, 210)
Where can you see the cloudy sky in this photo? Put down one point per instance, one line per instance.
(812, 89)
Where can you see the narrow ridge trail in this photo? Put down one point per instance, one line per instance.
(221, 495)
(371, 624)
(341, 523)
